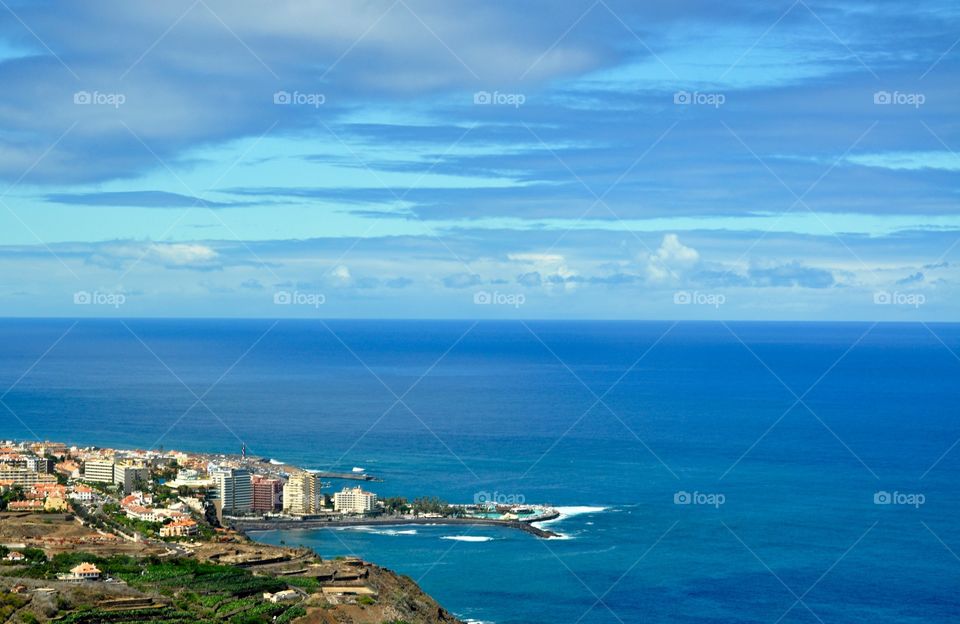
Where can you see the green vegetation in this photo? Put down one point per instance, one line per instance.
(291, 614)
(201, 592)
(13, 494)
(434, 505)
(395, 505)
(200, 578)
(366, 601)
(9, 603)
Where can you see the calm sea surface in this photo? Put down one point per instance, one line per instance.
(782, 435)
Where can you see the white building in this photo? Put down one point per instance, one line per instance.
(99, 471)
(286, 595)
(82, 493)
(146, 514)
(354, 500)
(83, 572)
(234, 489)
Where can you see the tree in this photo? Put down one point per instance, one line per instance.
(34, 555)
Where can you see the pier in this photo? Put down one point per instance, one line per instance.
(353, 476)
(279, 524)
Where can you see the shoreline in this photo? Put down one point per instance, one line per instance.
(245, 526)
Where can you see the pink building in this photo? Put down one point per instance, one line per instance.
(267, 494)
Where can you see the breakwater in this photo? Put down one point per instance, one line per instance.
(276, 524)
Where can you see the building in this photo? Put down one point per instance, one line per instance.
(27, 505)
(300, 494)
(354, 500)
(40, 464)
(83, 572)
(130, 477)
(234, 489)
(190, 478)
(286, 595)
(146, 514)
(267, 494)
(55, 503)
(24, 477)
(98, 471)
(69, 469)
(180, 528)
(54, 449)
(82, 493)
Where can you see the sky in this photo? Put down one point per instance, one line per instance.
(596, 159)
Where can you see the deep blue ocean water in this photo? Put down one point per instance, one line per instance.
(796, 425)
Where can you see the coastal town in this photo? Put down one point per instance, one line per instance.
(73, 517)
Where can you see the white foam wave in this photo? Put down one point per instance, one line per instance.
(569, 512)
(396, 532)
(365, 528)
(467, 538)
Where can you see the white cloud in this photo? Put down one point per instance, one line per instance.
(341, 274)
(182, 254)
(547, 266)
(671, 259)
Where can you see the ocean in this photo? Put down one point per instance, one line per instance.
(708, 472)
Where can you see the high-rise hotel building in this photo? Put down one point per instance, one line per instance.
(234, 489)
(301, 494)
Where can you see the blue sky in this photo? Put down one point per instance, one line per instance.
(605, 159)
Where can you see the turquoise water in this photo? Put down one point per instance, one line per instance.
(783, 489)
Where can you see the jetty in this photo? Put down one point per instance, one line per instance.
(353, 476)
(315, 522)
